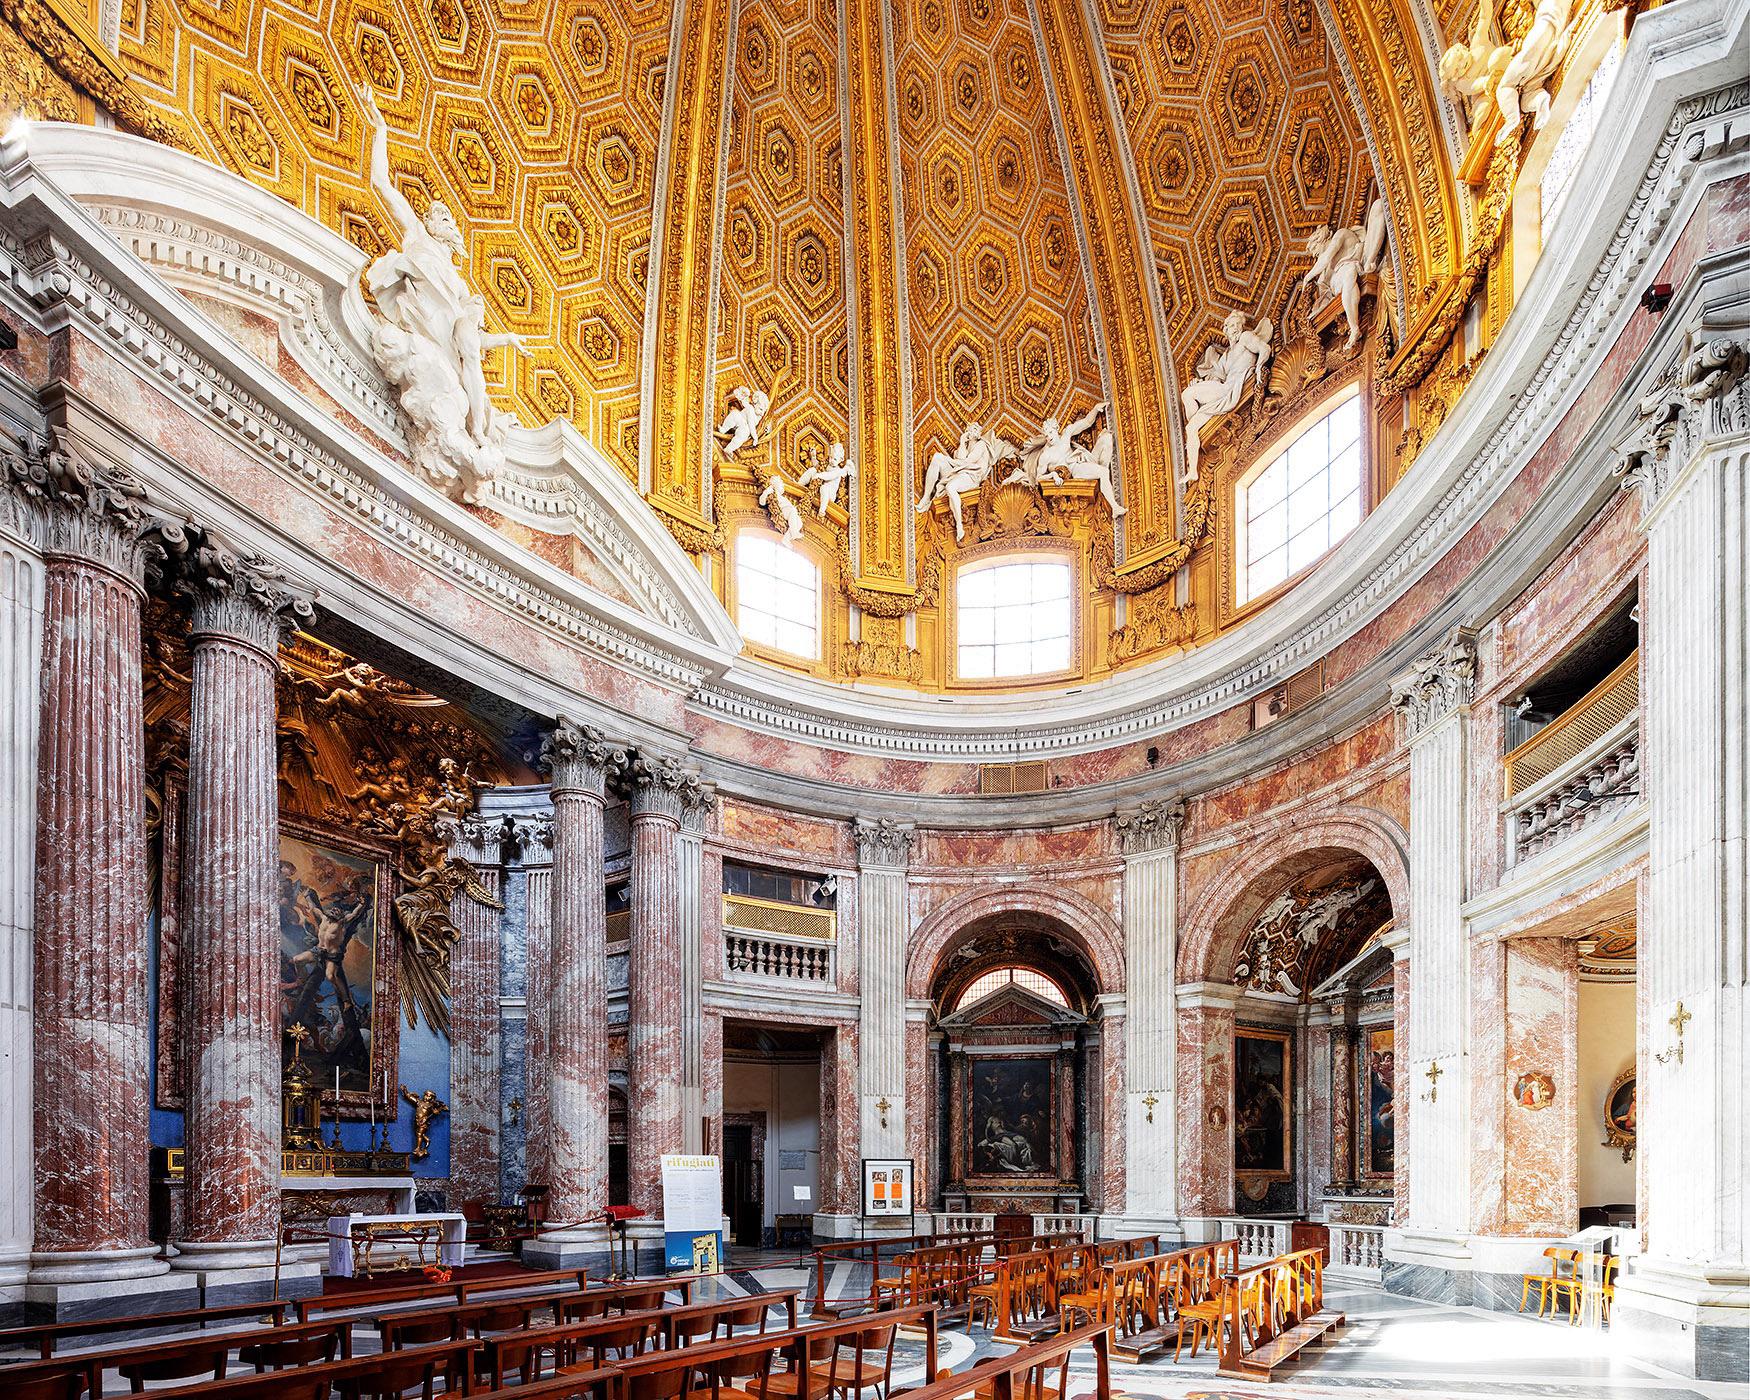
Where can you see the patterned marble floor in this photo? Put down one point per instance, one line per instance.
(1392, 1346)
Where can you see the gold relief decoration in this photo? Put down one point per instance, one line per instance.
(1154, 622)
(887, 660)
(676, 440)
(32, 89)
(1143, 387)
(878, 331)
(83, 61)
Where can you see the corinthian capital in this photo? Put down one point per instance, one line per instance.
(661, 785)
(578, 758)
(1437, 683)
(884, 842)
(242, 597)
(1700, 394)
(1151, 826)
(79, 508)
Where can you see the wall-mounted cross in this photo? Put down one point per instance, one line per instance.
(1679, 1019)
(1434, 1073)
(1149, 1101)
(882, 1104)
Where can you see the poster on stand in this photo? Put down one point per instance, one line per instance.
(887, 1186)
(692, 1213)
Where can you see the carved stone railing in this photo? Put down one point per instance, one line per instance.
(1583, 766)
(1357, 1251)
(964, 1223)
(1064, 1225)
(758, 956)
(1259, 1239)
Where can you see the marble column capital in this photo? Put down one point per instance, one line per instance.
(1209, 996)
(75, 507)
(578, 759)
(1702, 394)
(660, 786)
(532, 834)
(479, 837)
(1439, 682)
(239, 598)
(884, 844)
(1151, 826)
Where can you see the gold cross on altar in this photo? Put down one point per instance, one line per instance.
(1434, 1073)
(299, 1033)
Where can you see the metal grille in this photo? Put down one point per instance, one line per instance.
(768, 916)
(1005, 779)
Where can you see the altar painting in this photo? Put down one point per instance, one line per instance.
(1010, 1126)
(1378, 1126)
(1261, 1120)
(330, 912)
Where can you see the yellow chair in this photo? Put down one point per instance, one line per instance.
(1605, 1289)
(1558, 1284)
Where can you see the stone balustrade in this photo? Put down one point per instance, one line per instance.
(1357, 1251)
(964, 1223)
(758, 956)
(1061, 1224)
(1259, 1239)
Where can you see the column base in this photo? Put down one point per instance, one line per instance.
(96, 1265)
(1200, 1229)
(71, 1296)
(576, 1247)
(294, 1280)
(1128, 1227)
(1692, 1319)
(1472, 1271)
(14, 1273)
(205, 1256)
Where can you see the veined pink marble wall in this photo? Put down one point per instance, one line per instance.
(1400, 1098)
(1205, 1053)
(1490, 1155)
(1542, 1035)
(1109, 1191)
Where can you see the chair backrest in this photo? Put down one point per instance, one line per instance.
(276, 1355)
(202, 1361)
(70, 1384)
(423, 1327)
(750, 1314)
(582, 1306)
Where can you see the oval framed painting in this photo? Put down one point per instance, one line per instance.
(1621, 1108)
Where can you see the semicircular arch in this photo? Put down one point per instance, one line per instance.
(1094, 929)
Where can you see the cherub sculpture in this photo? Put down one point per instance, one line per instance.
(429, 335)
(426, 1108)
(1469, 71)
(1056, 455)
(1222, 376)
(1515, 74)
(1342, 257)
(972, 461)
(778, 498)
(741, 421)
(838, 469)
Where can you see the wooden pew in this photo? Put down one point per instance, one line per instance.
(1026, 1374)
(637, 1295)
(855, 1251)
(452, 1360)
(47, 1336)
(461, 1291)
(174, 1358)
(1140, 1298)
(1028, 1287)
(941, 1276)
(1271, 1312)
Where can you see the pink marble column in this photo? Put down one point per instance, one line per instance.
(1542, 1195)
(242, 608)
(1206, 1146)
(90, 960)
(1344, 1038)
(476, 1096)
(576, 1108)
(661, 790)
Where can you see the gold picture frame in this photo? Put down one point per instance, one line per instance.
(1620, 1113)
(1263, 1104)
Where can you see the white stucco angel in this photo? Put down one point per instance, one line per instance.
(1222, 376)
(741, 421)
(1469, 71)
(1056, 456)
(1342, 257)
(429, 335)
(966, 469)
(828, 478)
(778, 498)
(1535, 59)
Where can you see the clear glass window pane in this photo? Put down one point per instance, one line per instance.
(777, 596)
(1302, 502)
(1005, 611)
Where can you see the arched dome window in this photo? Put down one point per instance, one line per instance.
(777, 595)
(1036, 982)
(1294, 507)
(1013, 617)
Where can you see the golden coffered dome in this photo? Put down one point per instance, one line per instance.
(893, 218)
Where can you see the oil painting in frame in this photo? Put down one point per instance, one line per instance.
(1263, 1123)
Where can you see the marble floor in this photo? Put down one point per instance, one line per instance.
(1392, 1346)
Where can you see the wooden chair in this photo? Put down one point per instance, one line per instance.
(208, 1362)
(276, 1354)
(1604, 1290)
(1558, 1284)
(71, 1382)
(1196, 1296)
(615, 1344)
(394, 1375)
(783, 1385)
(754, 1313)
(854, 1367)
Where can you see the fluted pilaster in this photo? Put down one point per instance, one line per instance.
(241, 607)
(576, 1003)
(1149, 837)
(475, 1095)
(883, 924)
(96, 534)
(21, 619)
